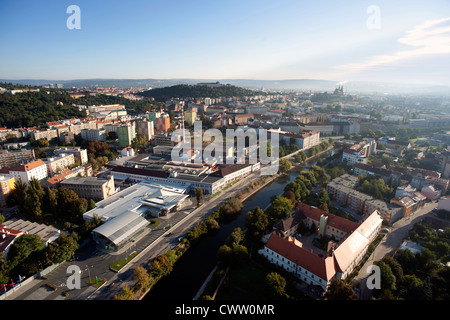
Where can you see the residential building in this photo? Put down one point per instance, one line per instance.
(389, 212)
(35, 169)
(162, 123)
(45, 134)
(14, 157)
(6, 186)
(79, 153)
(93, 134)
(125, 134)
(242, 118)
(290, 126)
(360, 152)
(190, 116)
(341, 189)
(59, 162)
(303, 140)
(127, 152)
(146, 129)
(325, 128)
(430, 192)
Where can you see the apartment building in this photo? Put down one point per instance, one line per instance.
(45, 134)
(125, 134)
(360, 152)
(190, 116)
(146, 129)
(303, 140)
(162, 123)
(93, 134)
(325, 128)
(342, 191)
(15, 157)
(6, 186)
(59, 162)
(79, 153)
(35, 169)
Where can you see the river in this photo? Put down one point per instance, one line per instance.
(194, 266)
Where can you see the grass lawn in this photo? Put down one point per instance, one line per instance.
(119, 264)
(154, 222)
(96, 282)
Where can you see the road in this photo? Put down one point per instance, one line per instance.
(94, 262)
(391, 243)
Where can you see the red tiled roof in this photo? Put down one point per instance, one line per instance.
(7, 236)
(322, 267)
(333, 220)
(25, 167)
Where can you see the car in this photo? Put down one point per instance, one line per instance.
(180, 239)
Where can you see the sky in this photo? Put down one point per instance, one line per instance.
(394, 41)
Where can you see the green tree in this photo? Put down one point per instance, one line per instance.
(23, 247)
(126, 294)
(91, 205)
(340, 290)
(160, 266)
(62, 249)
(199, 195)
(224, 254)
(285, 165)
(236, 237)
(388, 279)
(33, 200)
(276, 285)
(142, 277)
(139, 143)
(240, 254)
(231, 207)
(256, 221)
(20, 193)
(279, 209)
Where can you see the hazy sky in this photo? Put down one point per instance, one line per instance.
(277, 39)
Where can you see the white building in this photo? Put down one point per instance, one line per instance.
(58, 163)
(360, 152)
(124, 214)
(36, 169)
(315, 270)
(93, 134)
(76, 151)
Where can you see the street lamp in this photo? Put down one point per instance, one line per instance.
(88, 272)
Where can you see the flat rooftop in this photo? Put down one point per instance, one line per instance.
(144, 194)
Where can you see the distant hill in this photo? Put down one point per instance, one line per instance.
(184, 91)
(316, 85)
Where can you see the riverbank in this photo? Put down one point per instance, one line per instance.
(195, 265)
(212, 280)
